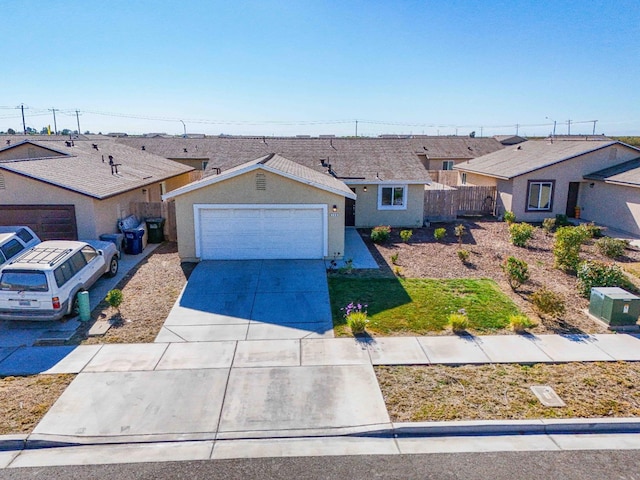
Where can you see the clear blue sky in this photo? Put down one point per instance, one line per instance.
(314, 67)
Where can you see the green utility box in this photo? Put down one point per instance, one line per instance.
(615, 306)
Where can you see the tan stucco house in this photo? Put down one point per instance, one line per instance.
(75, 188)
(538, 179)
(267, 208)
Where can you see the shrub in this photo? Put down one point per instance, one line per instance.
(397, 271)
(549, 303)
(460, 230)
(520, 233)
(356, 317)
(458, 322)
(114, 298)
(598, 274)
(566, 247)
(439, 233)
(463, 255)
(347, 268)
(394, 258)
(611, 247)
(517, 271)
(549, 225)
(406, 235)
(380, 234)
(509, 217)
(519, 323)
(563, 221)
(591, 230)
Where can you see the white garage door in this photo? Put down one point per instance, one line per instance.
(260, 232)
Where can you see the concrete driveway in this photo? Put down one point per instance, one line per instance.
(251, 300)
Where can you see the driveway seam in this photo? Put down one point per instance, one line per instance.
(166, 347)
(224, 395)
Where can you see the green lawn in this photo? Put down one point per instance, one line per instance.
(420, 306)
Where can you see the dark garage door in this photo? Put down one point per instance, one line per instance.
(50, 222)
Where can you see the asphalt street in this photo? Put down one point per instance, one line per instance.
(578, 465)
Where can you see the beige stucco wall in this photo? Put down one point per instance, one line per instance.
(20, 190)
(436, 163)
(475, 180)
(191, 162)
(368, 215)
(242, 190)
(26, 151)
(563, 173)
(614, 206)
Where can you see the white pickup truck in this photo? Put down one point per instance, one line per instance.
(43, 282)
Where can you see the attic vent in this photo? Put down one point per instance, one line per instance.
(185, 150)
(261, 181)
(8, 142)
(143, 147)
(68, 144)
(2, 184)
(95, 146)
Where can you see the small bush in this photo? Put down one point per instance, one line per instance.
(563, 221)
(464, 255)
(611, 247)
(397, 271)
(380, 234)
(405, 235)
(566, 247)
(458, 322)
(520, 233)
(356, 317)
(347, 269)
(460, 230)
(394, 258)
(597, 274)
(519, 323)
(439, 233)
(114, 298)
(509, 217)
(517, 271)
(549, 303)
(591, 230)
(549, 225)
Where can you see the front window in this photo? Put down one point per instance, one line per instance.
(392, 197)
(540, 196)
(11, 248)
(447, 165)
(23, 281)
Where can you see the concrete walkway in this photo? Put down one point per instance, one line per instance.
(251, 300)
(354, 250)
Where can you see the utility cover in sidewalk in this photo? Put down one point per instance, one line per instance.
(547, 396)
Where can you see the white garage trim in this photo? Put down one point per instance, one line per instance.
(200, 207)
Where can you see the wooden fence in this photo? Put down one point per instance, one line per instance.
(166, 210)
(446, 204)
(445, 177)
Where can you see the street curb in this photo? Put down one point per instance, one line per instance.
(519, 427)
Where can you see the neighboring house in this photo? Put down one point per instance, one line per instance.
(443, 153)
(543, 178)
(386, 174)
(509, 139)
(70, 189)
(267, 208)
(622, 183)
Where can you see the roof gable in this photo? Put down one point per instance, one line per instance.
(627, 173)
(27, 149)
(277, 165)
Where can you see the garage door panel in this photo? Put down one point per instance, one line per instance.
(261, 233)
(50, 222)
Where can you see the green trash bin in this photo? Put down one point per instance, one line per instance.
(155, 229)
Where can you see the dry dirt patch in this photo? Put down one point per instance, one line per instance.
(501, 392)
(25, 400)
(149, 291)
(488, 243)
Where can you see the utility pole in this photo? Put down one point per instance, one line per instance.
(78, 119)
(594, 127)
(554, 125)
(24, 125)
(356, 128)
(568, 127)
(481, 128)
(185, 129)
(517, 128)
(55, 125)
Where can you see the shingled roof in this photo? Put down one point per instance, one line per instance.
(454, 147)
(627, 173)
(275, 164)
(529, 156)
(85, 169)
(355, 160)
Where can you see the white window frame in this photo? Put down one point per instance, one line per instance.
(405, 190)
(540, 183)
(448, 165)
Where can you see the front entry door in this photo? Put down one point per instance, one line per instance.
(572, 199)
(349, 212)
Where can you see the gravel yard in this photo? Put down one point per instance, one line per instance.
(488, 244)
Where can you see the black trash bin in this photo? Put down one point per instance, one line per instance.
(133, 241)
(155, 228)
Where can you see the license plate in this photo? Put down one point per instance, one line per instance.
(24, 303)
